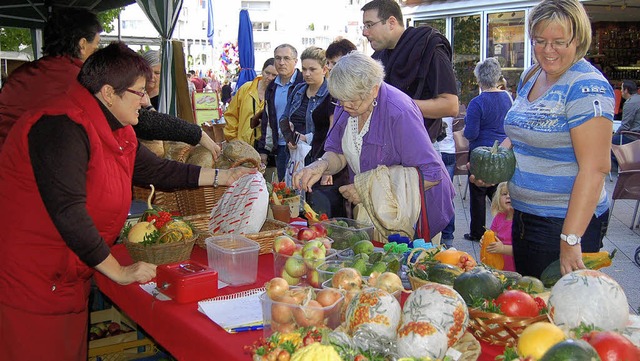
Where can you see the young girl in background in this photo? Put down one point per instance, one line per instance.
(502, 220)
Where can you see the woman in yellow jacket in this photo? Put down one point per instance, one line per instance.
(245, 109)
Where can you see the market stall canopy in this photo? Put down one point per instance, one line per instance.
(33, 14)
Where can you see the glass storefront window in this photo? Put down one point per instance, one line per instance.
(438, 24)
(506, 42)
(466, 54)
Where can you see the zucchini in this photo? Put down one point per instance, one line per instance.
(594, 261)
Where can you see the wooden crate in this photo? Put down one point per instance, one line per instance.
(125, 346)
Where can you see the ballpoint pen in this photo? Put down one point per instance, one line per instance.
(246, 328)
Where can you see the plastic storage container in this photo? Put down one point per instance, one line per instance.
(234, 257)
(298, 270)
(346, 232)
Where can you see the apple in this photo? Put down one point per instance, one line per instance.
(295, 267)
(325, 241)
(290, 279)
(313, 277)
(314, 243)
(291, 231)
(284, 245)
(113, 327)
(320, 230)
(306, 234)
(313, 256)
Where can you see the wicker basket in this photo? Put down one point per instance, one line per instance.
(161, 253)
(165, 200)
(270, 230)
(499, 329)
(422, 254)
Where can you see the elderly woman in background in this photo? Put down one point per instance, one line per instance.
(153, 85)
(65, 191)
(560, 128)
(376, 124)
(245, 109)
(484, 124)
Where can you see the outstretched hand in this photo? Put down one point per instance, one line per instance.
(306, 177)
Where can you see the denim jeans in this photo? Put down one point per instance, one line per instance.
(449, 161)
(282, 158)
(536, 240)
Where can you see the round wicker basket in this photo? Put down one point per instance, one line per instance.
(161, 253)
(499, 329)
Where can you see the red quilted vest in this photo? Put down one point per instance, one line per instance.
(38, 272)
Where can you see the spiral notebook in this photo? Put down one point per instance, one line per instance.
(235, 310)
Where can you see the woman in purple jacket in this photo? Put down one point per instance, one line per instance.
(376, 124)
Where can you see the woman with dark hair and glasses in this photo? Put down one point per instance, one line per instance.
(65, 191)
(560, 129)
(71, 35)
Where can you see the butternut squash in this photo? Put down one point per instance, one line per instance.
(594, 261)
(493, 260)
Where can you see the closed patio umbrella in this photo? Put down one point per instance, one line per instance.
(245, 50)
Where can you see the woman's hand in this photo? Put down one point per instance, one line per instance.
(326, 180)
(350, 193)
(141, 272)
(477, 182)
(306, 177)
(145, 101)
(570, 258)
(226, 177)
(212, 146)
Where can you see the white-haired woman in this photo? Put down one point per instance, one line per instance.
(376, 124)
(484, 124)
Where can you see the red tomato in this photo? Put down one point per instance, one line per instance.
(612, 346)
(516, 303)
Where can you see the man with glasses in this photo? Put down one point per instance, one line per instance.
(416, 60)
(286, 57)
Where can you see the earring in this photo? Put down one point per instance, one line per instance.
(109, 105)
(375, 102)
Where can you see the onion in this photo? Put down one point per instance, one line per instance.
(328, 297)
(312, 314)
(283, 327)
(276, 288)
(389, 282)
(347, 279)
(302, 294)
(281, 311)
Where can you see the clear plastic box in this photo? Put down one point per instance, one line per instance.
(234, 257)
(346, 232)
(292, 316)
(301, 271)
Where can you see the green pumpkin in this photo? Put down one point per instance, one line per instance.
(443, 273)
(571, 350)
(477, 284)
(492, 164)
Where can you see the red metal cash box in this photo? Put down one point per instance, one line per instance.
(187, 281)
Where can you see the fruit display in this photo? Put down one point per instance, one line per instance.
(367, 260)
(296, 260)
(287, 308)
(588, 297)
(492, 164)
(538, 338)
(347, 232)
(594, 261)
(106, 329)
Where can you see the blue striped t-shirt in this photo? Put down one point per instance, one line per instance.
(539, 131)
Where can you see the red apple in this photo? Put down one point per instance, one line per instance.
(113, 327)
(314, 243)
(313, 256)
(313, 277)
(306, 234)
(320, 230)
(325, 241)
(295, 267)
(284, 245)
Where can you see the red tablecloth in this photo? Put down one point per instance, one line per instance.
(186, 333)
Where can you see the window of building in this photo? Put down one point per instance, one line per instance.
(262, 46)
(466, 54)
(506, 42)
(308, 41)
(132, 24)
(256, 5)
(260, 25)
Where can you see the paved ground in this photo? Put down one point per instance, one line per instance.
(624, 270)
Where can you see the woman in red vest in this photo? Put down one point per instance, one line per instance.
(65, 191)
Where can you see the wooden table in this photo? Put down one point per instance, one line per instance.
(186, 333)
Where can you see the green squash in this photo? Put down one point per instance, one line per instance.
(571, 350)
(492, 164)
(443, 273)
(477, 284)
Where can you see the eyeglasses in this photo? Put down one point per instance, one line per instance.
(555, 45)
(368, 26)
(140, 94)
(349, 103)
(285, 58)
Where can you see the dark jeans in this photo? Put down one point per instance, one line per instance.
(536, 240)
(449, 161)
(282, 158)
(478, 208)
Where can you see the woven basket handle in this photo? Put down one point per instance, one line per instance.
(255, 163)
(423, 254)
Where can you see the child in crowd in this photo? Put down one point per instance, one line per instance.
(502, 220)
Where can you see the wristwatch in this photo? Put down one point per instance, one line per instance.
(571, 239)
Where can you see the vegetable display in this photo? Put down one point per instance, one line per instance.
(594, 261)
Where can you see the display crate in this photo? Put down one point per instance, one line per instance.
(129, 345)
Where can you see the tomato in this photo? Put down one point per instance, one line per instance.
(612, 346)
(516, 303)
(360, 357)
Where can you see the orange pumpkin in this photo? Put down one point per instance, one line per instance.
(494, 260)
(456, 258)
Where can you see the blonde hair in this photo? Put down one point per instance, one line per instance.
(314, 53)
(569, 14)
(496, 207)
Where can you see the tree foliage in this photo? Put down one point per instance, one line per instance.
(16, 39)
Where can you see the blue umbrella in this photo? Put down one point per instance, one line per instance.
(245, 50)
